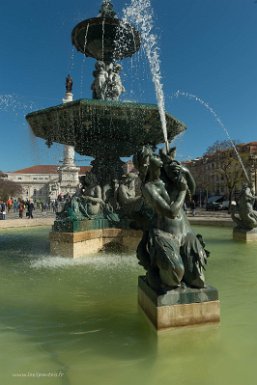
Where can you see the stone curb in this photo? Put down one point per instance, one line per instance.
(18, 223)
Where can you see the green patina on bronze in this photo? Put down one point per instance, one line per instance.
(92, 126)
(74, 226)
(107, 37)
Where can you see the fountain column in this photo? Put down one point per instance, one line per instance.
(68, 172)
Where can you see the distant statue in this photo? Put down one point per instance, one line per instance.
(246, 218)
(69, 84)
(169, 251)
(107, 10)
(107, 84)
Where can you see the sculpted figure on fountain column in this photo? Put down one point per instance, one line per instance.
(92, 196)
(114, 86)
(99, 84)
(107, 84)
(129, 202)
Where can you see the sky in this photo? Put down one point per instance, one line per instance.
(208, 55)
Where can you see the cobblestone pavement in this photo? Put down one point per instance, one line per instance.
(46, 218)
(199, 212)
(36, 214)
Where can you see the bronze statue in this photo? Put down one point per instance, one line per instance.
(107, 84)
(246, 218)
(114, 86)
(128, 201)
(92, 196)
(99, 84)
(169, 250)
(107, 10)
(69, 84)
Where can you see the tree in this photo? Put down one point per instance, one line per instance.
(221, 146)
(230, 169)
(197, 168)
(8, 188)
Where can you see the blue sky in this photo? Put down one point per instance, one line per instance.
(208, 53)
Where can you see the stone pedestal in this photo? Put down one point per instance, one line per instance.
(178, 307)
(68, 172)
(83, 238)
(244, 235)
(68, 179)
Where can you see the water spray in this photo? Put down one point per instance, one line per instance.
(140, 13)
(167, 146)
(218, 120)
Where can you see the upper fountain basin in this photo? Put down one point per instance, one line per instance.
(94, 126)
(105, 38)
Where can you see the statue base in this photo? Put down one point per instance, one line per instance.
(75, 239)
(178, 307)
(244, 235)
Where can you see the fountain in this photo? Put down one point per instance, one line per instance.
(105, 129)
(106, 211)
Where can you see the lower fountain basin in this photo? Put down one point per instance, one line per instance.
(71, 317)
(95, 126)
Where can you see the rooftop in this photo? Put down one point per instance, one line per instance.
(46, 169)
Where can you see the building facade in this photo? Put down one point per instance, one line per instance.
(43, 183)
(224, 172)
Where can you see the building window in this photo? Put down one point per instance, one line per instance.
(34, 178)
(35, 192)
(19, 178)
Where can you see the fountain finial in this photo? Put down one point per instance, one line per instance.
(107, 10)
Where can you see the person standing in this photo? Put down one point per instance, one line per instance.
(193, 206)
(30, 207)
(21, 208)
(9, 204)
(3, 210)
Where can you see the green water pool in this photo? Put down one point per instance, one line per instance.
(76, 322)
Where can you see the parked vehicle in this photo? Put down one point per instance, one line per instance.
(215, 203)
(225, 204)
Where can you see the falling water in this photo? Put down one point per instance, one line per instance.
(14, 103)
(71, 64)
(134, 40)
(83, 62)
(103, 35)
(218, 120)
(140, 13)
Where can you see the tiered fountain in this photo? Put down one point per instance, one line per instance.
(103, 128)
(106, 210)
